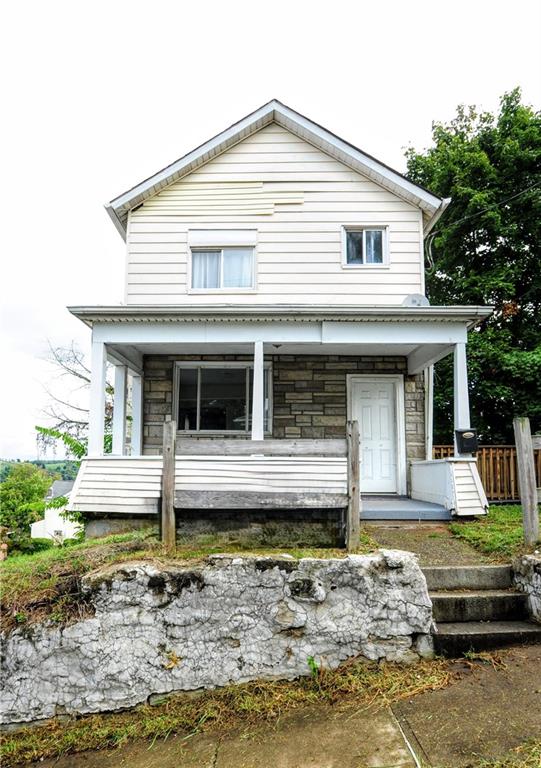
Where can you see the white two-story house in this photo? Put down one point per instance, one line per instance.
(275, 290)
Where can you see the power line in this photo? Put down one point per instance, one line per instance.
(432, 235)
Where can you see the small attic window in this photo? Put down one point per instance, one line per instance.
(365, 246)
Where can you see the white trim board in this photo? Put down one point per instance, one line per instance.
(400, 414)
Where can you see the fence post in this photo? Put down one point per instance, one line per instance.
(169, 534)
(353, 526)
(526, 480)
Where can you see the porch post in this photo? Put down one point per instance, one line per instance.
(461, 397)
(96, 426)
(258, 394)
(137, 415)
(119, 410)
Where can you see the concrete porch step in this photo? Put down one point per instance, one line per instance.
(456, 638)
(392, 507)
(485, 605)
(473, 577)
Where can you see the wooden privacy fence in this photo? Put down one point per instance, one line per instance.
(497, 466)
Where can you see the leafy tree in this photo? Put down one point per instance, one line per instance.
(486, 250)
(22, 501)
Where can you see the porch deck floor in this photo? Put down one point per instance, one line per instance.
(392, 507)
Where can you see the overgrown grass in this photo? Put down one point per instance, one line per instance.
(525, 756)
(364, 684)
(499, 534)
(46, 585)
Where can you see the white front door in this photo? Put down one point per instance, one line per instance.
(373, 405)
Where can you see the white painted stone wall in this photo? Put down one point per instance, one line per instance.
(527, 570)
(162, 628)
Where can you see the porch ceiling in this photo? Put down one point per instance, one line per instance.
(419, 356)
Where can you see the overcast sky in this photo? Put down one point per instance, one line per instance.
(98, 96)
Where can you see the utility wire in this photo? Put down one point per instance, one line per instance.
(432, 235)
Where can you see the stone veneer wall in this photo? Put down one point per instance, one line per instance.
(527, 578)
(309, 395)
(158, 628)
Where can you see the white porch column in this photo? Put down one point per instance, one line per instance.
(461, 397)
(119, 410)
(96, 426)
(137, 415)
(258, 394)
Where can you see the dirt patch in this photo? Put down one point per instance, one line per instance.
(434, 544)
(491, 710)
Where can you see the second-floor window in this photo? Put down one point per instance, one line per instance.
(222, 268)
(365, 246)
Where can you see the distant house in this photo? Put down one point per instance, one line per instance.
(274, 291)
(54, 526)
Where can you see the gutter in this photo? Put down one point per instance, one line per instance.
(437, 216)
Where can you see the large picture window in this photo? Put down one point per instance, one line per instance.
(218, 397)
(222, 268)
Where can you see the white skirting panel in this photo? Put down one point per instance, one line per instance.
(453, 483)
(132, 484)
(292, 474)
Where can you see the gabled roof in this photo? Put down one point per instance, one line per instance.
(276, 112)
(60, 488)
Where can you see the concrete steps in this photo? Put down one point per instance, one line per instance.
(456, 638)
(482, 605)
(476, 608)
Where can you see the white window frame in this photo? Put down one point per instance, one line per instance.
(221, 248)
(179, 364)
(363, 228)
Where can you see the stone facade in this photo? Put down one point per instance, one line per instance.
(158, 628)
(309, 395)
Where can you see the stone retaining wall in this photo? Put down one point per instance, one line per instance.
(527, 577)
(162, 628)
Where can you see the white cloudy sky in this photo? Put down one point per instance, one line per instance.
(97, 96)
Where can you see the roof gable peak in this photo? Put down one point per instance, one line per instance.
(274, 111)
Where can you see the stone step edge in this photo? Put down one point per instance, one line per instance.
(475, 593)
(453, 628)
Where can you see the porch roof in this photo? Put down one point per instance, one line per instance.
(422, 334)
(291, 313)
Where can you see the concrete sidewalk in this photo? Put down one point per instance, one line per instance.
(319, 737)
(493, 707)
(491, 710)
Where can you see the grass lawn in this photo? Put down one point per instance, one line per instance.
(499, 534)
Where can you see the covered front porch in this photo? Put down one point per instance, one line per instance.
(260, 377)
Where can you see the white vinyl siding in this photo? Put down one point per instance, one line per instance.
(299, 200)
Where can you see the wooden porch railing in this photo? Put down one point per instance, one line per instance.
(497, 466)
(259, 474)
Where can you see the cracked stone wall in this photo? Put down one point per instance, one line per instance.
(163, 628)
(527, 576)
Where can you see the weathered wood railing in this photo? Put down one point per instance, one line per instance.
(497, 465)
(255, 474)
